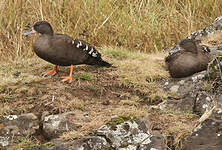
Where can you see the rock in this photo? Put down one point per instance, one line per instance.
(192, 95)
(95, 143)
(119, 133)
(207, 135)
(4, 141)
(166, 83)
(16, 74)
(181, 82)
(174, 88)
(106, 102)
(132, 134)
(79, 144)
(198, 77)
(13, 126)
(98, 142)
(56, 125)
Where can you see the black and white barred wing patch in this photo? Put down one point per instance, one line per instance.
(86, 47)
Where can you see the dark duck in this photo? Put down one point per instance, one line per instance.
(191, 58)
(63, 50)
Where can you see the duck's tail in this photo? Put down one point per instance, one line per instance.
(103, 63)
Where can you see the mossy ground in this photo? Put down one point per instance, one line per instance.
(129, 88)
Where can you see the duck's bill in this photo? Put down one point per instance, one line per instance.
(29, 32)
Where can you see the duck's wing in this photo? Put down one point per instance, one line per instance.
(77, 44)
(173, 56)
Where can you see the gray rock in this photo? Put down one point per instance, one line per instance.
(181, 82)
(128, 135)
(56, 125)
(174, 88)
(13, 126)
(191, 96)
(98, 142)
(206, 136)
(4, 140)
(166, 83)
(131, 134)
(198, 77)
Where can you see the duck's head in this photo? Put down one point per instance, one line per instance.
(189, 45)
(42, 27)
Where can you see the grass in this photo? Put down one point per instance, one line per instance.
(84, 76)
(120, 119)
(128, 88)
(145, 26)
(22, 143)
(134, 101)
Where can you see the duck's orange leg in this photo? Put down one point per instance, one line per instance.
(51, 72)
(68, 78)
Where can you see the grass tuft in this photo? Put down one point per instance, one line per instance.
(120, 119)
(22, 143)
(86, 76)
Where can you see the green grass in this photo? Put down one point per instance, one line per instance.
(22, 143)
(86, 76)
(120, 119)
(139, 25)
(120, 53)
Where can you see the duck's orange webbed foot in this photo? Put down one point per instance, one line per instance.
(51, 72)
(68, 78)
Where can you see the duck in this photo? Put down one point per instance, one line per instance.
(190, 59)
(63, 50)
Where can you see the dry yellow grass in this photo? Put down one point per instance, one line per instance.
(138, 25)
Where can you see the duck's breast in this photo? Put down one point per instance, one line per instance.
(42, 48)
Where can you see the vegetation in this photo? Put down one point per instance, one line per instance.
(138, 25)
(129, 33)
(126, 91)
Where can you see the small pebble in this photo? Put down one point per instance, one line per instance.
(16, 75)
(106, 102)
(174, 88)
(182, 82)
(166, 83)
(208, 99)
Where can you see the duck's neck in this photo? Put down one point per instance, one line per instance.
(48, 33)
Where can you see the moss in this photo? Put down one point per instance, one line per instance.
(48, 144)
(120, 119)
(173, 94)
(220, 27)
(22, 143)
(219, 47)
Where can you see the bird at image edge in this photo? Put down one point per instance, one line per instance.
(63, 50)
